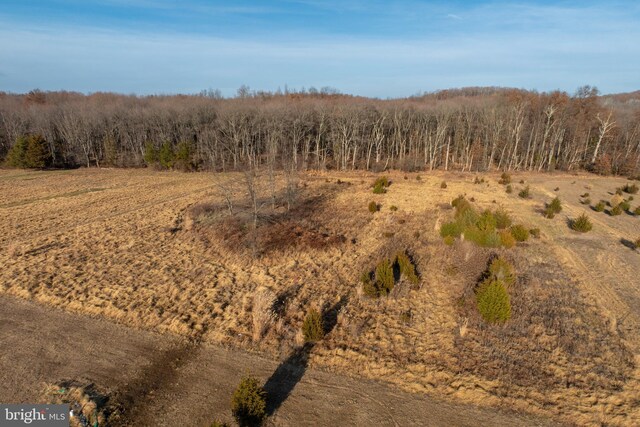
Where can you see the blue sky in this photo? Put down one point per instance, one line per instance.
(372, 48)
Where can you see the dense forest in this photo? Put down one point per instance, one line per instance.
(471, 129)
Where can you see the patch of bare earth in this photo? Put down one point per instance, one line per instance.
(131, 377)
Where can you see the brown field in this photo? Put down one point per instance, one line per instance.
(155, 252)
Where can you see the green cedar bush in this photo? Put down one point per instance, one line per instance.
(249, 403)
(520, 233)
(493, 301)
(582, 224)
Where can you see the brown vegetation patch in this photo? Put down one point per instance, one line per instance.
(290, 233)
(104, 254)
(553, 342)
(276, 228)
(88, 404)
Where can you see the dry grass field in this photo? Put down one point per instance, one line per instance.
(160, 252)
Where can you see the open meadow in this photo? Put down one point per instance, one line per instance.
(199, 267)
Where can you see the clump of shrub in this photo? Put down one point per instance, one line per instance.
(313, 326)
(368, 284)
(406, 317)
(166, 157)
(450, 229)
(483, 238)
(637, 211)
(636, 244)
(599, 207)
(487, 221)
(616, 200)
(520, 233)
(503, 220)
(384, 277)
(478, 180)
(552, 208)
(630, 188)
(586, 201)
(380, 185)
(492, 295)
(582, 224)
(378, 188)
(249, 403)
(502, 271)
(449, 240)
(458, 200)
(535, 232)
(493, 302)
(555, 205)
(407, 268)
(373, 207)
(217, 423)
(616, 210)
(625, 206)
(393, 208)
(443, 184)
(481, 229)
(506, 239)
(584, 195)
(382, 281)
(509, 189)
(29, 152)
(505, 179)
(525, 193)
(382, 181)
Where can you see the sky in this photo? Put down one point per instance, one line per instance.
(372, 48)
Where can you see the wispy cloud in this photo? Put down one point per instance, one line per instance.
(538, 47)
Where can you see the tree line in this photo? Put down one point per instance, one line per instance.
(471, 129)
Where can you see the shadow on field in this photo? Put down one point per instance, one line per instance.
(130, 401)
(289, 373)
(628, 243)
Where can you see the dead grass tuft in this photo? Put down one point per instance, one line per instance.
(89, 407)
(262, 312)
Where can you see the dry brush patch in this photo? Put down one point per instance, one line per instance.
(555, 344)
(277, 227)
(154, 251)
(88, 404)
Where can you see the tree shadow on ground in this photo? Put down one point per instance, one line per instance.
(289, 373)
(628, 243)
